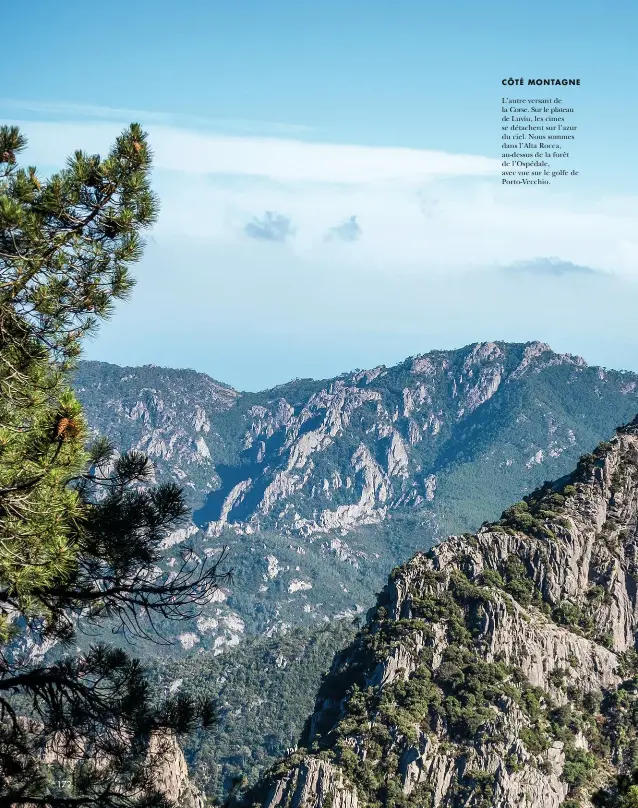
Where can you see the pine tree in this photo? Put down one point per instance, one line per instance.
(80, 527)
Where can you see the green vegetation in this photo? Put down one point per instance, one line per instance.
(446, 695)
(483, 459)
(623, 793)
(263, 690)
(579, 766)
(466, 694)
(80, 529)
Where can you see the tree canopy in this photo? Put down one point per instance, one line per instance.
(81, 526)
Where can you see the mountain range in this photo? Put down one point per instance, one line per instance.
(497, 669)
(310, 457)
(319, 488)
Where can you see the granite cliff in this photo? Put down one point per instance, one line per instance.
(498, 669)
(165, 772)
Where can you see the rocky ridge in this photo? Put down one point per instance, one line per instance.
(498, 669)
(479, 426)
(359, 448)
(171, 776)
(314, 457)
(318, 488)
(164, 413)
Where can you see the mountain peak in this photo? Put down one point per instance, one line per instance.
(496, 668)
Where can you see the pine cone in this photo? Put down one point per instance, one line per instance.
(66, 428)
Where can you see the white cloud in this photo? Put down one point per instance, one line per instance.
(278, 159)
(79, 112)
(434, 228)
(418, 210)
(439, 226)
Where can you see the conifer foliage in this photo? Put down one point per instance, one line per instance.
(80, 526)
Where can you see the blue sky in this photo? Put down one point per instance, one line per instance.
(329, 175)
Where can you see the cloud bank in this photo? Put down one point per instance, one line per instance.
(550, 266)
(417, 209)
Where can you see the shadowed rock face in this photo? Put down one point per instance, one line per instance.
(166, 769)
(496, 670)
(171, 775)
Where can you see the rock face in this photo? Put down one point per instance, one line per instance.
(167, 414)
(167, 772)
(319, 488)
(377, 431)
(314, 782)
(499, 669)
(171, 777)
